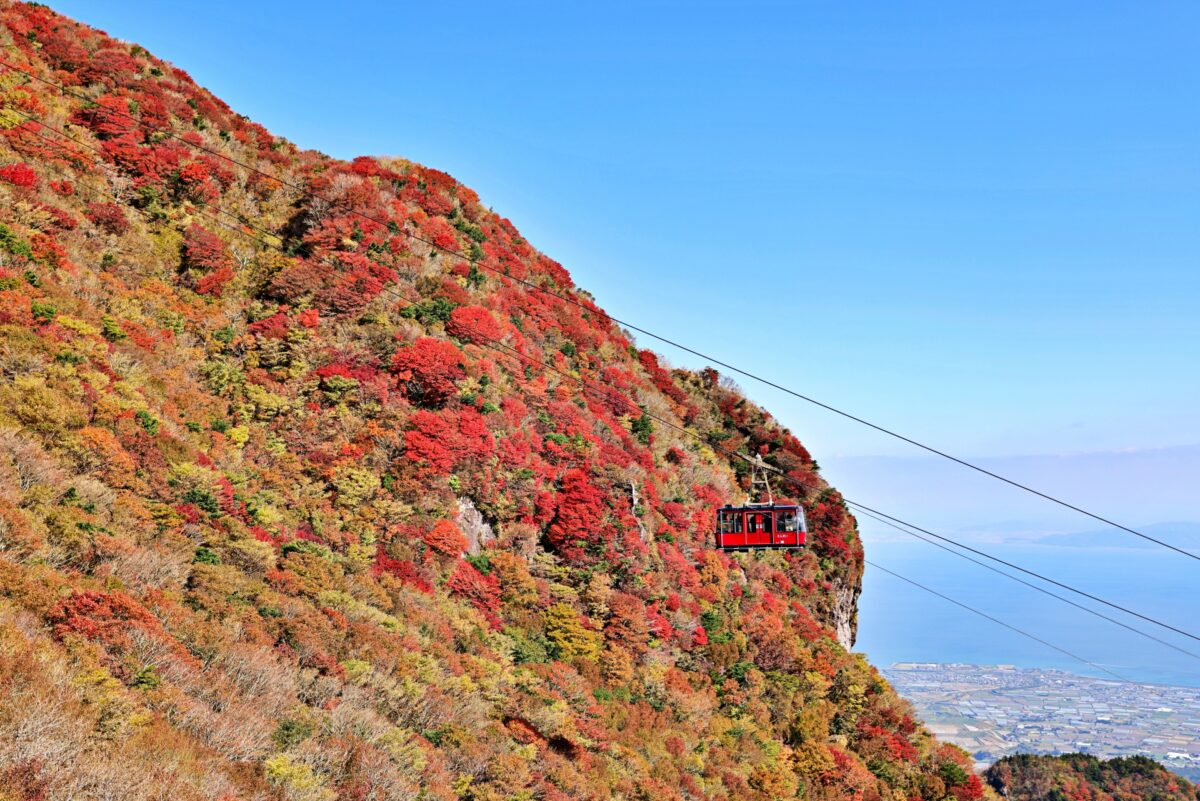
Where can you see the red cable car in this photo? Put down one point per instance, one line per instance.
(760, 525)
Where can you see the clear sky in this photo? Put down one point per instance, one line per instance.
(976, 223)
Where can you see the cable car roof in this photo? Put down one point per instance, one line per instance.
(759, 507)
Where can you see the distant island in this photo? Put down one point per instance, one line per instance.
(1181, 534)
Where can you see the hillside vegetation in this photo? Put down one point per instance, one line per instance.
(297, 504)
(1079, 777)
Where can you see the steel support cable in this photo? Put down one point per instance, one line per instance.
(592, 309)
(199, 207)
(606, 392)
(1026, 571)
(1035, 587)
(997, 621)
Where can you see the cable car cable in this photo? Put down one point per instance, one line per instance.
(893, 573)
(596, 310)
(497, 345)
(1033, 586)
(997, 621)
(1026, 571)
(634, 406)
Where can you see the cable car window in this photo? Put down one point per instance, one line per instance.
(789, 521)
(731, 522)
(758, 523)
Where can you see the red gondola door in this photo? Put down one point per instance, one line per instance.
(759, 528)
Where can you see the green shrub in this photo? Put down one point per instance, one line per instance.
(111, 330)
(528, 648)
(953, 773)
(13, 243)
(470, 229)
(206, 556)
(291, 732)
(738, 670)
(147, 422)
(147, 678)
(202, 499)
(43, 311)
(642, 428)
(69, 357)
(480, 562)
(427, 311)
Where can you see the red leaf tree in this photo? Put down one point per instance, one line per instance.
(580, 518)
(18, 174)
(108, 217)
(445, 537)
(207, 260)
(482, 592)
(443, 440)
(429, 369)
(474, 324)
(204, 250)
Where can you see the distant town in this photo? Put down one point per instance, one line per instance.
(996, 710)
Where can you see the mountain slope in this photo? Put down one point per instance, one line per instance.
(1079, 776)
(295, 503)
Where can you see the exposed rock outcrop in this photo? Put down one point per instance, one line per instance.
(476, 529)
(845, 611)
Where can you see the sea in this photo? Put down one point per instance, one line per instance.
(899, 622)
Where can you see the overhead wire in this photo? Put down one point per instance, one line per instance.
(1026, 571)
(1035, 587)
(591, 308)
(997, 621)
(500, 346)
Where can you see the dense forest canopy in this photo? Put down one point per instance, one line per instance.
(306, 492)
(1080, 777)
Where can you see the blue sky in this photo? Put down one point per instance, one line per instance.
(976, 224)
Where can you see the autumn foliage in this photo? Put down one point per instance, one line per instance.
(474, 324)
(445, 537)
(429, 369)
(1081, 777)
(108, 217)
(280, 519)
(580, 516)
(19, 174)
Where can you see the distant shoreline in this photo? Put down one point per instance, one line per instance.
(997, 710)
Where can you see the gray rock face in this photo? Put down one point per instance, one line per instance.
(845, 612)
(471, 521)
(634, 502)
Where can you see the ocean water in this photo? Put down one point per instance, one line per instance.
(900, 623)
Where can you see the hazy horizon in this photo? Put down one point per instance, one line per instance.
(1160, 480)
